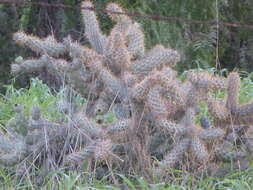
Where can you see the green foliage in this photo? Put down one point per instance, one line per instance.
(194, 42)
(37, 94)
(246, 92)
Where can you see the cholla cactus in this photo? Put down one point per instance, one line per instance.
(225, 152)
(18, 124)
(193, 139)
(230, 111)
(13, 150)
(116, 73)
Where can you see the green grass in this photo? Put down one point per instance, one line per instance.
(76, 181)
(40, 94)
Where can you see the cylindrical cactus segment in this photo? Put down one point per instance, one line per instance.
(249, 139)
(97, 40)
(103, 150)
(12, 150)
(11, 159)
(30, 65)
(176, 98)
(18, 124)
(135, 41)
(166, 77)
(211, 134)
(140, 90)
(86, 126)
(176, 154)
(119, 126)
(218, 109)
(35, 113)
(244, 110)
(233, 91)
(155, 58)
(189, 117)
(112, 83)
(100, 150)
(42, 46)
(117, 55)
(132, 32)
(113, 7)
(155, 141)
(171, 127)
(199, 150)
(104, 102)
(78, 157)
(76, 50)
(6, 145)
(156, 103)
(121, 111)
(206, 80)
(118, 130)
(226, 152)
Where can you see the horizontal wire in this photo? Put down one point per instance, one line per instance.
(131, 14)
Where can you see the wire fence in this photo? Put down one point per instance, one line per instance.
(131, 14)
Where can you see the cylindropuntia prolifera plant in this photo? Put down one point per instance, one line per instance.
(116, 73)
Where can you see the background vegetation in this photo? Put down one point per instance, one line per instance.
(198, 45)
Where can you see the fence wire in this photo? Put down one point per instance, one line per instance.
(131, 14)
